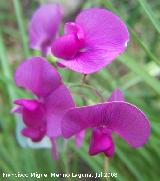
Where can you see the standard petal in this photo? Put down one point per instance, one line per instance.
(87, 62)
(56, 105)
(43, 26)
(125, 119)
(106, 37)
(103, 29)
(38, 76)
(117, 95)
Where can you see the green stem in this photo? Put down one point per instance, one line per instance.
(108, 4)
(65, 159)
(84, 79)
(6, 69)
(94, 90)
(19, 16)
(146, 7)
(106, 166)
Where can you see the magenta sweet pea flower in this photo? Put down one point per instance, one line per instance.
(43, 27)
(116, 115)
(93, 41)
(42, 115)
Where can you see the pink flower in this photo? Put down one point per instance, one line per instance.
(42, 115)
(116, 115)
(93, 41)
(43, 27)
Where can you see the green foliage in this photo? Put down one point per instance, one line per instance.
(136, 72)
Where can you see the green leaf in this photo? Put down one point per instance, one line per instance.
(22, 28)
(150, 14)
(141, 71)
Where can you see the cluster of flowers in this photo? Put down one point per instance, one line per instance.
(93, 41)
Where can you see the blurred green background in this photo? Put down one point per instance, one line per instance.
(136, 72)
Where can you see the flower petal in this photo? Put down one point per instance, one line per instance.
(116, 95)
(66, 46)
(28, 104)
(106, 37)
(87, 62)
(125, 119)
(32, 111)
(103, 28)
(79, 138)
(16, 110)
(101, 141)
(33, 133)
(43, 26)
(56, 105)
(38, 76)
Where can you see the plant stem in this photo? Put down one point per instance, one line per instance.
(19, 16)
(106, 166)
(94, 90)
(65, 159)
(6, 69)
(84, 81)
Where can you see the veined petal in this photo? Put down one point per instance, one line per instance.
(88, 60)
(56, 105)
(43, 26)
(123, 118)
(103, 29)
(116, 95)
(106, 37)
(38, 76)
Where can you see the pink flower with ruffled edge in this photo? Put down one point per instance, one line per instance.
(93, 41)
(42, 115)
(43, 27)
(116, 115)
